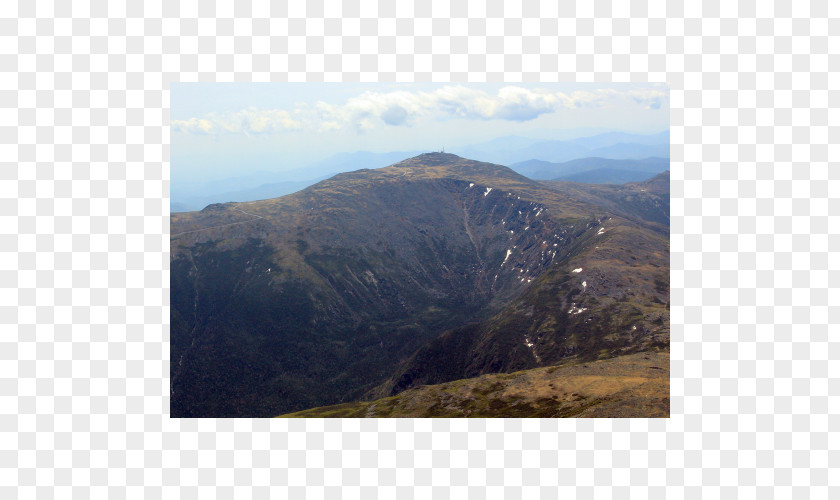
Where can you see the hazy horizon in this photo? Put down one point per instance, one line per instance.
(229, 130)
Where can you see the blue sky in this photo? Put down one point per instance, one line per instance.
(221, 130)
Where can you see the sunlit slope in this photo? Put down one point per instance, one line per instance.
(636, 385)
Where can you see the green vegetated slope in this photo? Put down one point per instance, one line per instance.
(636, 385)
(334, 293)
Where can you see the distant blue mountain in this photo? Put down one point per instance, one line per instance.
(263, 192)
(262, 185)
(486, 151)
(346, 162)
(535, 158)
(625, 150)
(175, 206)
(616, 145)
(607, 176)
(543, 170)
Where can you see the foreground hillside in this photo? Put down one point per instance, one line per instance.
(636, 385)
(434, 269)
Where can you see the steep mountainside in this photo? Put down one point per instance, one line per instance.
(608, 296)
(326, 295)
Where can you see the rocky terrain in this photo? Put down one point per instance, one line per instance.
(434, 269)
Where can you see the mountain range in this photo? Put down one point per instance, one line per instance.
(190, 196)
(594, 169)
(610, 145)
(387, 282)
(518, 152)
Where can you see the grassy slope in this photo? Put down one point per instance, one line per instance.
(636, 385)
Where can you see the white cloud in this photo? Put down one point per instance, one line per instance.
(251, 120)
(652, 99)
(370, 110)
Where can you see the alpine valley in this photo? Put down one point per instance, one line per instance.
(436, 286)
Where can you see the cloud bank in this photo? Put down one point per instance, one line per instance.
(370, 110)
(251, 120)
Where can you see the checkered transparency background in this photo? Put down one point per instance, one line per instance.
(84, 247)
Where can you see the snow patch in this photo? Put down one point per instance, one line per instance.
(576, 310)
(577, 270)
(488, 191)
(584, 284)
(472, 184)
(506, 256)
(601, 231)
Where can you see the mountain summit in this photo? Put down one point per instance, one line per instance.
(431, 159)
(433, 269)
